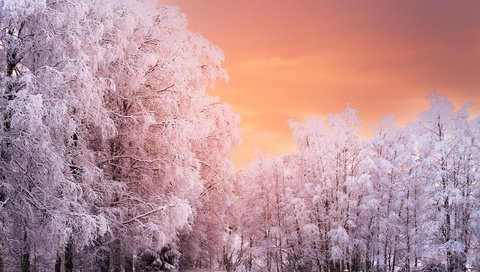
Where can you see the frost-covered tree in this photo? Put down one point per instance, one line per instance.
(106, 134)
(202, 246)
(405, 200)
(330, 153)
(309, 201)
(392, 208)
(448, 155)
(168, 131)
(51, 103)
(258, 236)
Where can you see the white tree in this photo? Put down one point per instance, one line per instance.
(51, 102)
(393, 206)
(103, 133)
(331, 153)
(447, 153)
(403, 200)
(202, 246)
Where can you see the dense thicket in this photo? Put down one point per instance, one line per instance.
(109, 144)
(407, 199)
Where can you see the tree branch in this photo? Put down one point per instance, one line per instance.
(146, 214)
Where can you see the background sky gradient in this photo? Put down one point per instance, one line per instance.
(290, 59)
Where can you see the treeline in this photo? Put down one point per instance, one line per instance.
(407, 200)
(112, 155)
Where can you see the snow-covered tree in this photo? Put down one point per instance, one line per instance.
(106, 133)
(202, 246)
(171, 135)
(391, 209)
(448, 155)
(403, 200)
(51, 103)
(330, 153)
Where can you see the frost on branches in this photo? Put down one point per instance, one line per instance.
(108, 139)
(406, 200)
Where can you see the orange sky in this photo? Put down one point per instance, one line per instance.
(290, 59)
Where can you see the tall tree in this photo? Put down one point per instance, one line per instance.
(103, 133)
(51, 103)
(447, 151)
(202, 245)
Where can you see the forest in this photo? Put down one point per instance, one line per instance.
(114, 157)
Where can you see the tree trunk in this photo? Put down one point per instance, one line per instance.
(2, 268)
(128, 263)
(116, 255)
(407, 261)
(447, 234)
(58, 263)
(103, 258)
(25, 262)
(69, 257)
(25, 266)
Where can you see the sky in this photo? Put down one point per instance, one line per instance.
(290, 59)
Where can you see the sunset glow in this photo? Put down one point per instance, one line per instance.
(290, 59)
